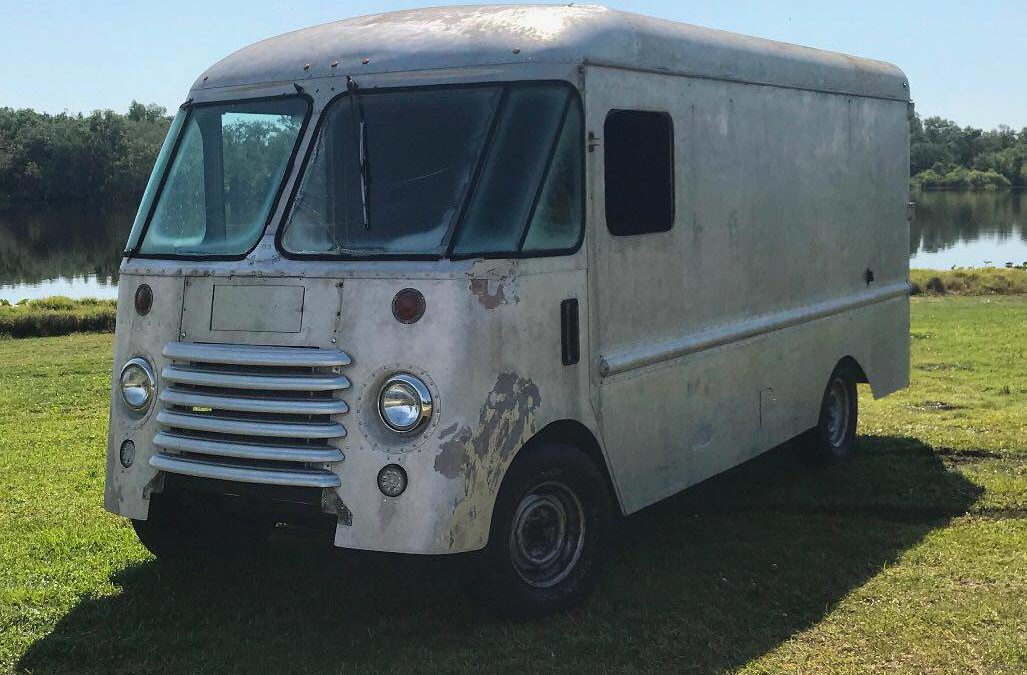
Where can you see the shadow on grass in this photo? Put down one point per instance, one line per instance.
(704, 582)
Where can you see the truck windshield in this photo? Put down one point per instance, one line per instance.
(222, 178)
(468, 170)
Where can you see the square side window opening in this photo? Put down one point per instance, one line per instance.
(639, 170)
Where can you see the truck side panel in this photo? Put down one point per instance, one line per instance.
(789, 251)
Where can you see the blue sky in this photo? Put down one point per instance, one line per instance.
(964, 60)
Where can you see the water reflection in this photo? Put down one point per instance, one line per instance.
(968, 229)
(69, 250)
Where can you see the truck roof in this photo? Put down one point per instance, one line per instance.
(495, 35)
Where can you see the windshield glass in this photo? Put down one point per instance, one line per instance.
(225, 172)
(470, 170)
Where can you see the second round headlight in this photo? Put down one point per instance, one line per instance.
(137, 384)
(404, 403)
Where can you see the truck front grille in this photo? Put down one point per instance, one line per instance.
(252, 414)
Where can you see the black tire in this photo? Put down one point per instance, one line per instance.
(834, 437)
(176, 530)
(528, 569)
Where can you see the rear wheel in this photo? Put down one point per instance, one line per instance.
(178, 530)
(834, 437)
(550, 528)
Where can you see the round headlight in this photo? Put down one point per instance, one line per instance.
(137, 384)
(405, 402)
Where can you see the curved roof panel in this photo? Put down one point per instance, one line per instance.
(465, 36)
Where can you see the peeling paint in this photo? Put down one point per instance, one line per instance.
(490, 292)
(494, 283)
(450, 460)
(481, 455)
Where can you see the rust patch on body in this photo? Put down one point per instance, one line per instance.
(490, 292)
(495, 284)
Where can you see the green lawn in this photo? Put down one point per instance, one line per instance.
(911, 558)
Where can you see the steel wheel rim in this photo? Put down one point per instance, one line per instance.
(837, 413)
(548, 534)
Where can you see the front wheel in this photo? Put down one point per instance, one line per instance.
(834, 437)
(550, 528)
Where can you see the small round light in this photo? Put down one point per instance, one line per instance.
(404, 403)
(127, 453)
(137, 384)
(143, 299)
(392, 480)
(408, 305)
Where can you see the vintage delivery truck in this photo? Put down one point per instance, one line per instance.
(482, 279)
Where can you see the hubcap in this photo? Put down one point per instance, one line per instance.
(547, 534)
(837, 412)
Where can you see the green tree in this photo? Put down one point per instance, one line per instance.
(105, 155)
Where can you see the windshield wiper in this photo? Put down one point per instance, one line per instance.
(365, 169)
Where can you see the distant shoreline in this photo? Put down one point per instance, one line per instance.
(985, 188)
(50, 317)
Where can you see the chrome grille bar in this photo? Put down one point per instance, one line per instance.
(238, 450)
(204, 469)
(241, 380)
(252, 355)
(221, 425)
(291, 406)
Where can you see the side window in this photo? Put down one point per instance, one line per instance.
(639, 169)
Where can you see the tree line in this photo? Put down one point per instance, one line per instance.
(102, 156)
(106, 156)
(943, 154)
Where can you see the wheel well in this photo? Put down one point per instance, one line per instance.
(852, 363)
(572, 432)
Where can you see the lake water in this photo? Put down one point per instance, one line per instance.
(75, 250)
(968, 229)
(69, 250)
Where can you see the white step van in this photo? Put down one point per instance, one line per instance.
(483, 279)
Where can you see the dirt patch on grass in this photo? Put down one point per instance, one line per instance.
(931, 367)
(935, 406)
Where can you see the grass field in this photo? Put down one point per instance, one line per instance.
(911, 558)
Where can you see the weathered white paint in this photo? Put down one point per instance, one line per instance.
(701, 347)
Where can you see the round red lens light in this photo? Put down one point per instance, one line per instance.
(143, 299)
(408, 305)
